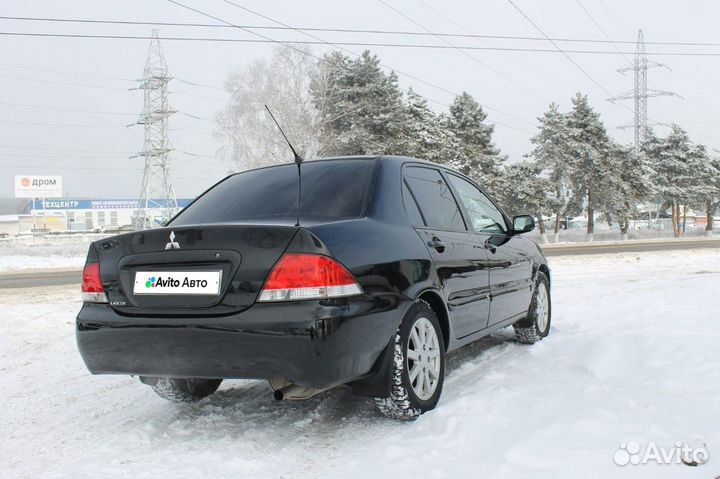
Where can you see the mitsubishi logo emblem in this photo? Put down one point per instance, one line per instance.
(172, 244)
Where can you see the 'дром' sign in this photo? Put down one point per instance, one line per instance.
(38, 186)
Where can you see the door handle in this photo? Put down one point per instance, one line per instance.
(437, 243)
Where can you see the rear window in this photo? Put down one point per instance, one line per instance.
(331, 189)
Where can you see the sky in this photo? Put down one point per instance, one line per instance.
(66, 103)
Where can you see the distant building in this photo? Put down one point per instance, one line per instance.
(82, 214)
(9, 225)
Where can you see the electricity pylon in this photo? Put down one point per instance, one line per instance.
(157, 192)
(640, 93)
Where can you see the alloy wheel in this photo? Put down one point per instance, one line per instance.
(541, 307)
(423, 358)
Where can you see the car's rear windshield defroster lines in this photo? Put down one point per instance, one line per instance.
(332, 189)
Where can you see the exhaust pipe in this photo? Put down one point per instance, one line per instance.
(293, 392)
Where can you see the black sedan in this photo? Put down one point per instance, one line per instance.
(387, 264)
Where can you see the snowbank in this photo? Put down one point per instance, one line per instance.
(632, 356)
(16, 257)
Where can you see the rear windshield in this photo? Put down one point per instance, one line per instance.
(331, 189)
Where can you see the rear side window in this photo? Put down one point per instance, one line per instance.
(434, 198)
(411, 207)
(331, 189)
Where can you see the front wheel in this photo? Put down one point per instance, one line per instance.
(185, 389)
(418, 365)
(537, 323)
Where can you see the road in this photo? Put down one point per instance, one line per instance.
(27, 279)
(604, 247)
(32, 278)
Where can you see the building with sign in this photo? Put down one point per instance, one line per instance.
(70, 214)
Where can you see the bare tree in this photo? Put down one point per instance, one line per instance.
(246, 131)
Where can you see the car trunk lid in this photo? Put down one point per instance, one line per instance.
(155, 272)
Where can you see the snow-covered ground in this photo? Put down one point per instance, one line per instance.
(633, 355)
(17, 257)
(26, 262)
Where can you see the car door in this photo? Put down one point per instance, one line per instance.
(460, 263)
(510, 267)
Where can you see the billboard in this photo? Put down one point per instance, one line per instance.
(38, 186)
(101, 204)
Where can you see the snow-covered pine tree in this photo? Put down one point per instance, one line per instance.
(475, 153)
(674, 178)
(527, 192)
(552, 154)
(712, 201)
(706, 174)
(429, 139)
(588, 145)
(361, 106)
(627, 184)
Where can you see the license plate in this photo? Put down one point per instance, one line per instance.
(177, 282)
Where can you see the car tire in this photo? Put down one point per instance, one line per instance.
(185, 390)
(536, 325)
(416, 355)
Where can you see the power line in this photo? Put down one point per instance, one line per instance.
(597, 25)
(172, 92)
(93, 168)
(85, 75)
(43, 70)
(465, 53)
(43, 107)
(339, 45)
(525, 65)
(40, 148)
(114, 155)
(199, 84)
(55, 82)
(617, 22)
(71, 110)
(353, 53)
(362, 31)
(194, 117)
(22, 155)
(577, 65)
(74, 125)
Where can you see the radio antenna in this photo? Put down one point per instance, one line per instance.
(298, 162)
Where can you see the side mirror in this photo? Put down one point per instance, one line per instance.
(523, 224)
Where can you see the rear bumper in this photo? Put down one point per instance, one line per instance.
(317, 344)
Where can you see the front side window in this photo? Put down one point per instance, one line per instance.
(436, 202)
(484, 216)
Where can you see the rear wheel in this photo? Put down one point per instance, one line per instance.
(537, 323)
(418, 365)
(185, 389)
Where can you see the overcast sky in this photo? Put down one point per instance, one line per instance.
(91, 150)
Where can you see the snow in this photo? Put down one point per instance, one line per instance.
(25, 262)
(632, 356)
(17, 257)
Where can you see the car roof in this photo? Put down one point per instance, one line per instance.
(391, 159)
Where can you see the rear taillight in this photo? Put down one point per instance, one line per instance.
(308, 276)
(92, 288)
